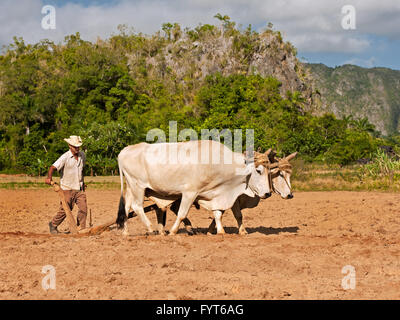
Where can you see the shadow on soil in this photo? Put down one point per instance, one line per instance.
(263, 230)
(270, 230)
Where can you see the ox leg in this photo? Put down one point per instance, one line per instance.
(188, 225)
(211, 228)
(239, 218)
(218, 221)
(128, 204)
(137, 206)
(161, 218)
(145, 220)
(187, 201)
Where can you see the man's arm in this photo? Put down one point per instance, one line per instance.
(58, 165)
(83, 155)
(50, 175)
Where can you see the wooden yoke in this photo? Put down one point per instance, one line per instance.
(70, 218)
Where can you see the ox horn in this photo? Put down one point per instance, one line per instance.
(272, 155)
(268, 152)
(291, 156)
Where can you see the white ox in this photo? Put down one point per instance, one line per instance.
(204, 171)
(278, 172)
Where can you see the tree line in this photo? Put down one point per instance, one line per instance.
(50, 91)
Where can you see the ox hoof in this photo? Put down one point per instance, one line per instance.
(190, 232)
(243, 233)
(151, 233)
(211, 231)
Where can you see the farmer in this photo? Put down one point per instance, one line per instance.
(70, 165)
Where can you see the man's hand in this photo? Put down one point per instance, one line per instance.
(50, 175)
(85, 185)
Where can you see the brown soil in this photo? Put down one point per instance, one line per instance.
(295, 249)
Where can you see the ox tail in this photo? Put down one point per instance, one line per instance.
(121, 217)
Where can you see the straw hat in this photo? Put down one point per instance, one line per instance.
(75, 141)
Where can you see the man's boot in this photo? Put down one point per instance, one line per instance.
(53, 229)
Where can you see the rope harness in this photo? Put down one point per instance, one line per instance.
(282, 164)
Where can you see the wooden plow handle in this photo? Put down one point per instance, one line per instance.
(70, 218)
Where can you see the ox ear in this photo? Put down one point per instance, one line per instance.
(247, 155)
(248, 169)
(291, 156)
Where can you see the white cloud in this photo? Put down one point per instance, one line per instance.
(366, 63)
(311, 25)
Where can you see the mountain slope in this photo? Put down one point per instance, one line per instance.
(351, 90)
(188, 57)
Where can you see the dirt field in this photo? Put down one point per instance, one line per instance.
(295, 249)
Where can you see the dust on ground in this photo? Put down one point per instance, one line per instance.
(295, 249)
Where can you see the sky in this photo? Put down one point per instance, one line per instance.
(366, 34)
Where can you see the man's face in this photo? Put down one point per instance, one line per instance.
(74, 150)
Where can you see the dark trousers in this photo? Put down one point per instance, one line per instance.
(72, 197)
